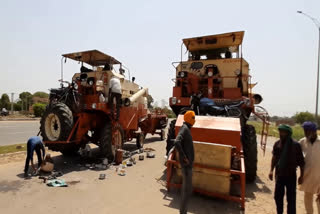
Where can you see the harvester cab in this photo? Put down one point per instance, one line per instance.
(81, 112)
(215, 69)
(215, 83)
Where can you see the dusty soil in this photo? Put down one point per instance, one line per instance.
(142, 190)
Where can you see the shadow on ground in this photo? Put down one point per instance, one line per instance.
(10, 186)
(255, 188)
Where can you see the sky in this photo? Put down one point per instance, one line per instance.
(145, 35)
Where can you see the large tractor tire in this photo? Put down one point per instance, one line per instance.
(171, 135)
(111, 139)
(56, 123)
(249, 143)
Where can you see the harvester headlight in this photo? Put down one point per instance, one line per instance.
(75, 85)
(94, 105)
(210, 74)
(90, 81)
(174, 100)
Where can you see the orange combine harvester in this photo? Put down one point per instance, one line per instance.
(215, 83)
(79, 113)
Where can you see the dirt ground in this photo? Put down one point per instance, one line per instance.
(142, 190)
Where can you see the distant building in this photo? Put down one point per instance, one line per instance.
(38, 100)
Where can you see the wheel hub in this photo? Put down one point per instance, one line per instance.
(52, 127)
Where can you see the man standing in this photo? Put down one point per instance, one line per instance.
(115, 92)
(184, 145)
(34, 144)
(310, 145)
(287, 155)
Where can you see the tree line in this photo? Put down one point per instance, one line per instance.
(37, 101)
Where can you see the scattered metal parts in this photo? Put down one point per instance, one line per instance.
(122, 172)
(150, 155)
(102, 176)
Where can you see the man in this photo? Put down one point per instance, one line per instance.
(184, 145)
(34, 144)
(310, 145)
(115, 92)
(287, 155)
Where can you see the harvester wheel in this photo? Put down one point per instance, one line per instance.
(171, 135)
(249, 143)
(111, 139)
(140, 140)
(56, 123)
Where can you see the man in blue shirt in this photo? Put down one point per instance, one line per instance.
(34, 144)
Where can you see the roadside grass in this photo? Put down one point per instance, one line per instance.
(13, 148)
(298, 132)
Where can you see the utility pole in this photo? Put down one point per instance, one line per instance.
(12, 94)
(317, 23)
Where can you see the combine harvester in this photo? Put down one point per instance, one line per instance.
(80, 112)
(215, 83)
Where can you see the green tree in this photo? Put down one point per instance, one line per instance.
(26, 99)
(150, 101)
(41, 94)
(5, 101)
(17, 106)
(301, 117)
(166, 110)
(39, 109)
(169, 112)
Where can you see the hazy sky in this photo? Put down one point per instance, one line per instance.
(280, 45)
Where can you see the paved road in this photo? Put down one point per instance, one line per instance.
(13, 132)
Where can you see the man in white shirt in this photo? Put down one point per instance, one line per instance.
(115, 93)
(310, 145)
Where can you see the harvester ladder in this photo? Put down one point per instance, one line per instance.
(264, 117)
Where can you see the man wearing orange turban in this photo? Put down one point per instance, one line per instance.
(184, 145)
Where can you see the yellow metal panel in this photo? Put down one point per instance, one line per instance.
(228, 69)
(212, 155)
(92, 57)
(214, 41)
(207, 180)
